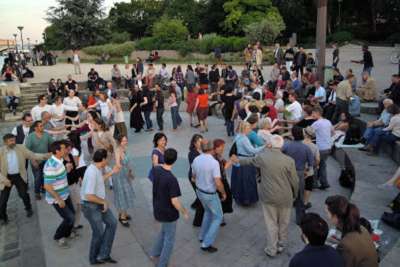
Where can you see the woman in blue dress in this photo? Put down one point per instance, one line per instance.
(122, 182)
(243, 179)
(157, 155)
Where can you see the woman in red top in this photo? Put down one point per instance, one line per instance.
(191, 103)
(201, 108)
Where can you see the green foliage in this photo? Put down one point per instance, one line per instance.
(394, 38)
(241, 13)
(119, 37)
(53, 37)
(78, 23)
(170, 30)
(147, 43)
(267, 29)
(114, 50)
(340, 37)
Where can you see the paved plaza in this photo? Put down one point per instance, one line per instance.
(240, 242)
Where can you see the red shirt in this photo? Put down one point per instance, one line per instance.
(269, 95)
(272, 114)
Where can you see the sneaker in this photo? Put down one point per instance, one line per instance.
(209, 249)
(62, 243)
(74, 235)
(280, 249)
(108, 260)
(268, 253)
(29, 213)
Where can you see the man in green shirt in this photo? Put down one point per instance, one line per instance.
(38, 142)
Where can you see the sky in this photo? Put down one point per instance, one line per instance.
(30, 14)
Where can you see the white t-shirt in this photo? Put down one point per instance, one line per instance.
(57, 110)
(105, 108)
(93, 183)
(76, 58)
(72, 104)
(296, 111)
(75, 153)
(37, 111)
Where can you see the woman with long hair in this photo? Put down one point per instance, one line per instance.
(194, 151)
(173, 104)
(201, 109)
(135, 99)
(356, 245)
(122, 181)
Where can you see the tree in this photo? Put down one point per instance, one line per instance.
(79, 22)
(53, 38)
(267, 29)
(189, 11)
(241, 13)
(169, 31)
(212, 16)
(136, 17)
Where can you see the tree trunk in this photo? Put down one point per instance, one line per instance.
(373, 15)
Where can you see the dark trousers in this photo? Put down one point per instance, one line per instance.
(149, 123)
(299, 201)
(299, 69)
(68, 215)
(160, 121)
(38, 176)
(342, 106)
(230, 127)
(22, 189)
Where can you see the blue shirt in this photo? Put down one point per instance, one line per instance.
(385, 117)
(296, 85)
(205, 168)
(255, 140)
(300, 152)
(311, 256)
(323, 134)
(244, 146)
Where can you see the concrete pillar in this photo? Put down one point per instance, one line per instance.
(321, 37)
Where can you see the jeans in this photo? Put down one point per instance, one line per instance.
(164, 243)
(22, 189)
(176, 118)
(368, 69)
(102, 239)
(68, 215)
(38, 176)
(322, 174)
(212, 218)
(160, 120)
(149, 123)
(381, 135)
(370, 132)
(230, 127)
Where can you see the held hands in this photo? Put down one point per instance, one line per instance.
(105, 207)
(234, 159)
(185, 214)
(61, 203)
(223, 196)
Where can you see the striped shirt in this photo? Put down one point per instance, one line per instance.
(56, 176)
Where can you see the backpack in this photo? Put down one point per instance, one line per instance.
(353, 134)
(347, 179)
(233, 150)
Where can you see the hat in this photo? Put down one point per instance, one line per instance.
(207, 145)
(309, 131)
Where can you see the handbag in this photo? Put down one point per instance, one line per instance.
(347, 179)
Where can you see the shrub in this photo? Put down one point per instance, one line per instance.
(267, 29)
(394, 38)
(119, 37)
(147, 43)
(170, 31)
(114, 50)
(340, 37)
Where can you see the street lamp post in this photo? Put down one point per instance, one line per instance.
(29, 43)
(16, 46)
(20, 28)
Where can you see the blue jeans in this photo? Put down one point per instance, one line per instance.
(68, 215)
(149, 123)
(212, 218)
(322, 173)
(370, 132)
(176, 118)
(102, 239)
(38, 176)
(381, 135)
(230, 127)
(164, 243)
(369, 70)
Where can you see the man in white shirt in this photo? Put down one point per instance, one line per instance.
(320, 93)
(163, 71)
(295, 109)
(37, 110)
(96, 209)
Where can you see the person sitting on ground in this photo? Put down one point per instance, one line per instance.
(9, 75)
(382, 121)
(367, 91)
(393, 92)
(389, 134)
(93, 76)
(356, 245)
(337, 76)
(342, 126)
(314, 231)
(12, 101)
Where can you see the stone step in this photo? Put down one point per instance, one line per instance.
(10, 117)
(370, 108)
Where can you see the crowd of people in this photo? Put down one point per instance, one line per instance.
(283, 128)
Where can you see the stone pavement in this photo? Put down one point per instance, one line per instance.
(240, 243)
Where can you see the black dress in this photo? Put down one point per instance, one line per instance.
(136, 119)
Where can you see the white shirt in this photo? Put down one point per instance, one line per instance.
(104, 108)
(296, 111)
(164, 73)
(93, 183)
(75, 153)
(12, 161)
(76, 58)
(37, 111)
(57, 110)
(320, 93)
(72, 104)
